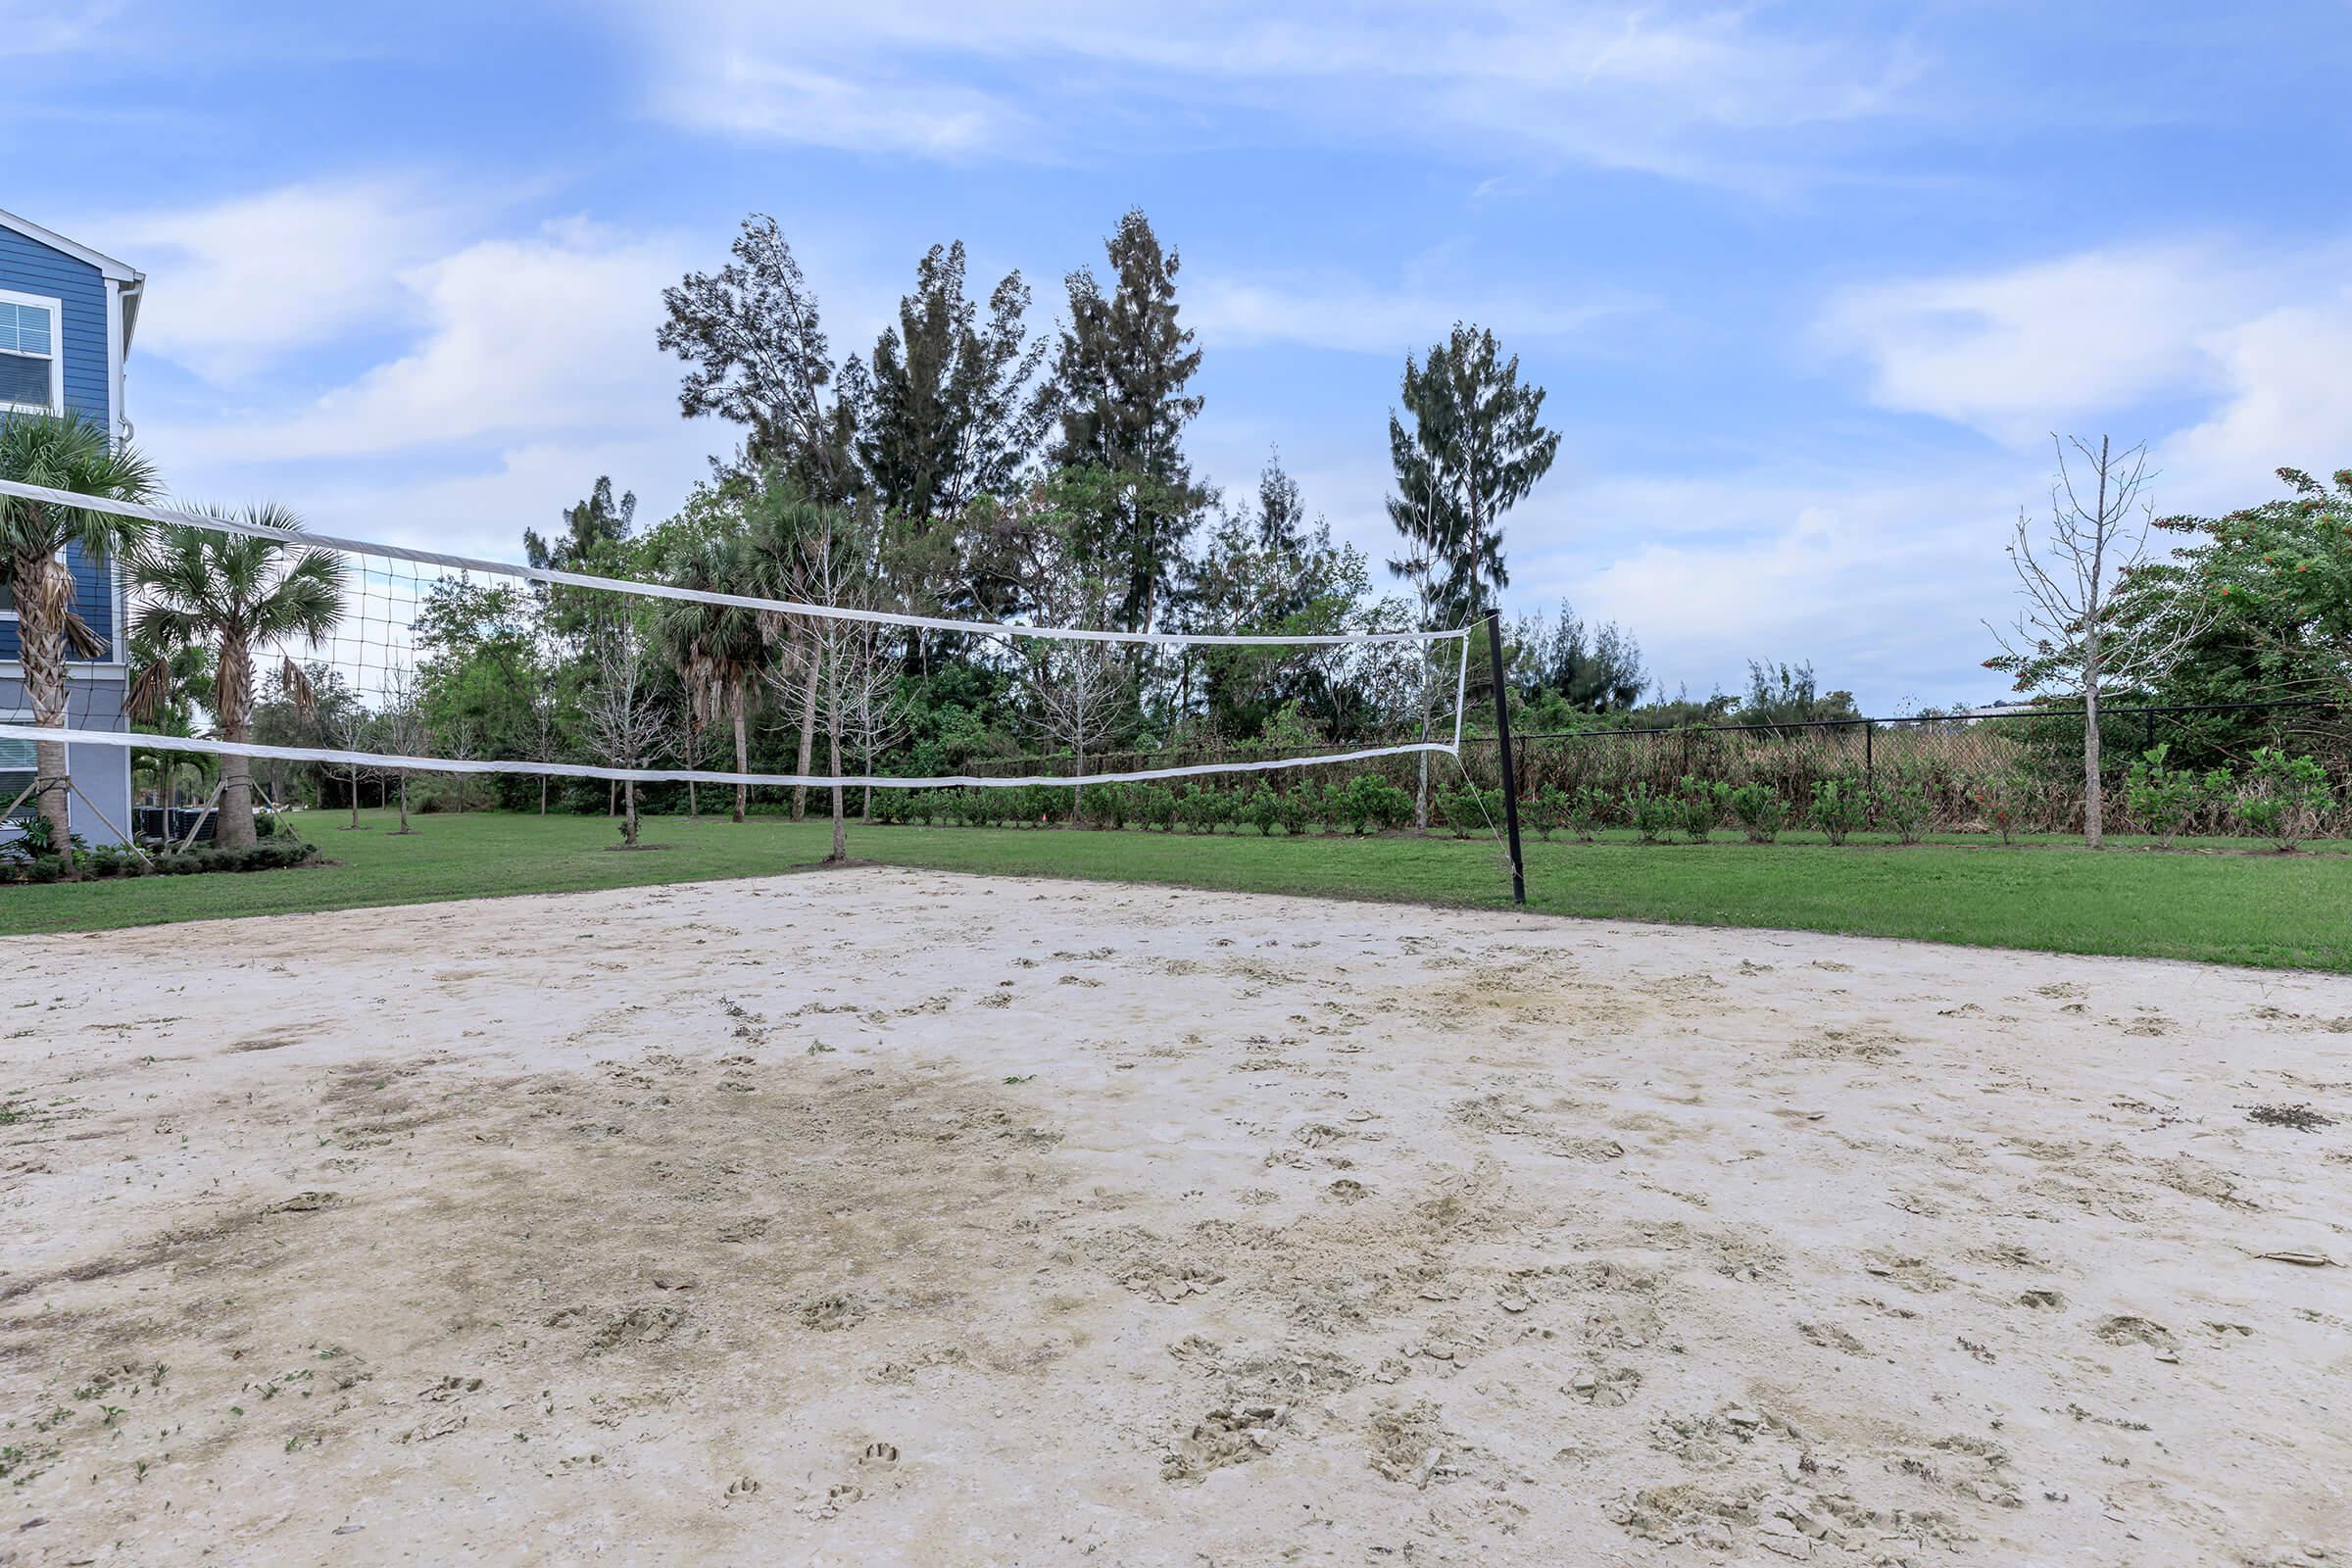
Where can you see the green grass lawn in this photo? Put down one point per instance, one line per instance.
(2228, 906)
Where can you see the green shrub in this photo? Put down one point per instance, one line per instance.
(1292, 808)
(2002, 802)
(1196, 808)
(1698, 807)
(1469, 810)
(2162, 797)
(1154, 806)
(1548, 811)
(1261, 809)
(1588, 810)
(2283, 798)
(1758, 808)
(1839, 809)
(1652, 814)
(1105, 805)
(270, 855)
(1903, 804)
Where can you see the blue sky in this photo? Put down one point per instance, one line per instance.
(1810, 284)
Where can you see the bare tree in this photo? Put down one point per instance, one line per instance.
(838, 669)
(622, 714)
(401, 726)
(2065, 638)
(1077, 695)
(542, 728)
(860, 697)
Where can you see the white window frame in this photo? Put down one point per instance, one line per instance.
(57, 349)
(11, 826)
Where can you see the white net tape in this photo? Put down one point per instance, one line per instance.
(377, 667)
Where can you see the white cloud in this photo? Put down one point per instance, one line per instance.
(2287, 403)
(1674, 89)
(550, 333)
(240, 284)
(2252, 344)
(2013, 353)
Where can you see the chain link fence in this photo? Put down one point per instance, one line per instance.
(2035, 755)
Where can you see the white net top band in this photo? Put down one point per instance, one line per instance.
(385, 763)
(655, 590)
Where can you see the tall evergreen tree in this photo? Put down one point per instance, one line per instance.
(756, 354)
(942, 416)
(1475, 447)
(1118, 387)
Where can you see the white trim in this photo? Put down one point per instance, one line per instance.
(57, 349)
(120, 272)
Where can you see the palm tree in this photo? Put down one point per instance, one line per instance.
(238, 593)
(59, 452)
(719, 648)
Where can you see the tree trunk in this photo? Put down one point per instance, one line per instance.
(628, 826)
(841, 833)
(743, 758)
(611, 798)
(543, 795)
(232, 708)
(354, 799)
(404, 805)
(800, 791)
(44, 594)
(2093, 797)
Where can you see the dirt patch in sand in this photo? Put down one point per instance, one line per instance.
(877, 1217)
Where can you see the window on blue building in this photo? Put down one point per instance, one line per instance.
(31, 377)
(16, 771)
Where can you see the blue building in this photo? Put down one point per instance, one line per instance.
(66, 313)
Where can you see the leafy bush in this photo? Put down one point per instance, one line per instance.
(1548, 811)
(2283, 797)
(1154, 806)
(1652, 814)
(269, 855)
(1838, 807)
(1371, 804)
(1260, 810)
(2162, 797)
(1469, 810)
(1105, 805)
(1587, 809)
(1291, 808)
(1760, 808)
(1698, 807)
(2002, 802)
(1903, 804)
(1200, 808)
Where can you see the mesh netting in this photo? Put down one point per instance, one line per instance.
(593, 678)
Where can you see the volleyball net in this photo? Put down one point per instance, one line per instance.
(356, 656)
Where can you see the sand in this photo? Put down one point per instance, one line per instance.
(881, 1216)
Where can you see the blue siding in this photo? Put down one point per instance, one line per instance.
(29, 267)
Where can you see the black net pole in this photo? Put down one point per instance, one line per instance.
(1502, 741)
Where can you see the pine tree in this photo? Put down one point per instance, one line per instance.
(1119, 388)
(756, 355)
(1475, 449)
(941, 414)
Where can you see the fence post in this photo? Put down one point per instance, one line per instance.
(1502, 739)
(1869, 731)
